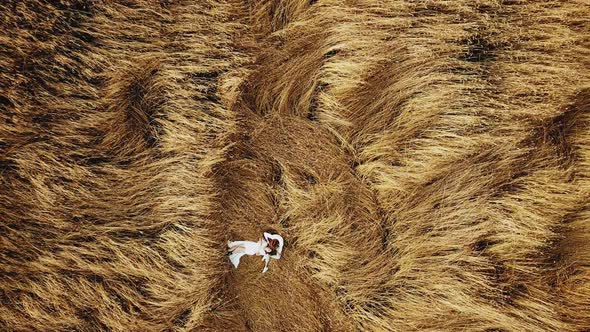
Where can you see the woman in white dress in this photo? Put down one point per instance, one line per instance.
(269, 246)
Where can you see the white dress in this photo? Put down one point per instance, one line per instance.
(250, 248)
(256, 248)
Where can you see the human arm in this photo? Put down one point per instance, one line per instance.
(266, 259)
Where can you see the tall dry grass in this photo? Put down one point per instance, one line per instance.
(428, 164)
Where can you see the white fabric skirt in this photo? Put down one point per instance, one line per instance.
(251, 248)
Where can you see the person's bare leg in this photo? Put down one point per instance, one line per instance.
(238, 249)
(235, 243)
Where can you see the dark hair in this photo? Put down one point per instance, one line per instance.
(273, 243)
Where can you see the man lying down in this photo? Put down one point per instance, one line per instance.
(269, 246)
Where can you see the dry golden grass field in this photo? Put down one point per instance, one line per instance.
(427, 162)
